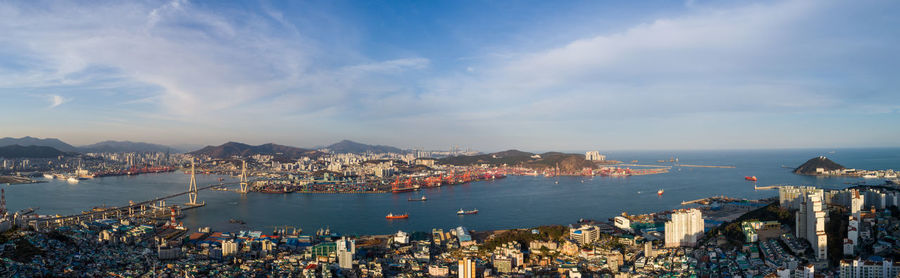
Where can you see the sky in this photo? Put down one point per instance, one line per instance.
(485, 75)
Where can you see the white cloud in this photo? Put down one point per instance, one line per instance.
(207, 65)
(754, 58)
(231, 68)
(56, 100)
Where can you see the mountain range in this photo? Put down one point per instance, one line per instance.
(226, 150)
(17, 151)
(565, 161)
(124, 146)
(347, 146)
(105, 146)
(31, 141)
(240, 149)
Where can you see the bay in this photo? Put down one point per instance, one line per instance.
(513, 202)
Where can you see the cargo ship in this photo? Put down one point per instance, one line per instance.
(273, 190)
(402, 189)
(463, 212)
(418, 199)
(398, 216)
(749, 178)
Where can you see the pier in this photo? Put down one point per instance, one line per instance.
(707, 200)
(770, 187)
(704, 166)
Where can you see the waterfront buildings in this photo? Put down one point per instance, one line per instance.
(685, 228)
(594, 156)
(623, 223)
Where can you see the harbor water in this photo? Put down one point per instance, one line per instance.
(513, 202)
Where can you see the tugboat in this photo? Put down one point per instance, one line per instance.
(660, 192)
(749, 178)
(418, 199)
(463, 212)
(398, 216)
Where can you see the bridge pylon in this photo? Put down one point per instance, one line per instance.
(192, 188)
(245, 187)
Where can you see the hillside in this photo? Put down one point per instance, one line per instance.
(510, 157)
(809, 168)
(240, 149)
(123, 146)
(347, 146)
(567, 162)
(31, 141)
(17, 151)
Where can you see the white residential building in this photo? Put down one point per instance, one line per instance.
(229, 247)
(466, 268)
(685, 228)
(594, 156)
(346, 248)
(869, 269)
(810, 222)
(585, 235)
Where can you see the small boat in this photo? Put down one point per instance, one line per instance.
(398, 216)
(235, 221)
(463, 212)
(72, 180)
(48, 176)
(660, 192)
(749, 178)
(418, 199)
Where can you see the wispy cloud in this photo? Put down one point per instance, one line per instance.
(182, 62)
(56, 100)
(203, 63)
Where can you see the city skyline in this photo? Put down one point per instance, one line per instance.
(490, 76)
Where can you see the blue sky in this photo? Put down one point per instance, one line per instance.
(490, 75)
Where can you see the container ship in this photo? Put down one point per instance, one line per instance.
(464, 212)
(418, 199)
(279, 190)
(402, 189)
(397, 216)
(134, 171)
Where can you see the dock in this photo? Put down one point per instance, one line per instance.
(707, 200)
(766, 187)
(704, 166)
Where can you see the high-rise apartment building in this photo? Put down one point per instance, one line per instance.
(685, 228)
(810, 222)
(466, 268)
(346, 248)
